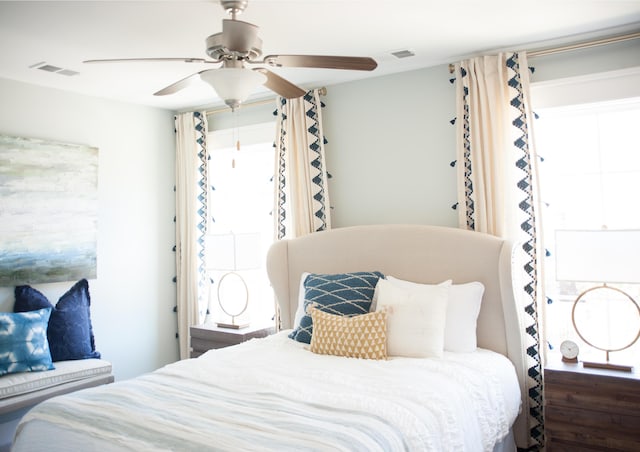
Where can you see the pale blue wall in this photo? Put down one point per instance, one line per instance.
(390, 145)
(133, 296)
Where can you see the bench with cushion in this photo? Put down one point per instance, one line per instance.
(25, 389)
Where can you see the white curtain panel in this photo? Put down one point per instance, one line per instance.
(485, 136)
(191, 208)
(301, 190)
(496, 167)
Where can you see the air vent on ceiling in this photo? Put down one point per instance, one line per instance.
(403, 53)
(49, 68)
(68, 72)
(43, 66)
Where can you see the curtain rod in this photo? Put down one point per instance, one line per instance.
(322, 91)
(577, 46)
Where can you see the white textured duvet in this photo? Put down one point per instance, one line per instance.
(274, 394)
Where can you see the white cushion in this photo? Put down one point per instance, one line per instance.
(462, 313)
(300, 309)
(415, 318)
(65, 371)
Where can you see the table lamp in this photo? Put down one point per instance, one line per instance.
(231, 253)
(603, 257)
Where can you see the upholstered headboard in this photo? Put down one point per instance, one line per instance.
(419, 253)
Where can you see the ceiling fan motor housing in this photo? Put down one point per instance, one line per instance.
(218, 51)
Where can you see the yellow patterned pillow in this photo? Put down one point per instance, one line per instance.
(360, 336)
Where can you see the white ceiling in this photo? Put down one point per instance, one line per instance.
(64, 34)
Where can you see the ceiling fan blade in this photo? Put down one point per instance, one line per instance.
(238, 36)
(181, 84)
(322, 61)
(148, 60)
(280, 86)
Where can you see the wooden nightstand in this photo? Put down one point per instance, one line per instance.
(206, 337)
(591, 409)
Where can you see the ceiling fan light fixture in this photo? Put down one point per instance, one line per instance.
(233, 85)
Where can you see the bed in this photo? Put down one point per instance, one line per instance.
(276, 394)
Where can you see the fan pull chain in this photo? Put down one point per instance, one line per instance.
(236, 136)
(235, 119)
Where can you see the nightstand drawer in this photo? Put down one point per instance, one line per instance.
(589, 409)
(207, 337)
(592, 428)
(605, 393)
(202, 345)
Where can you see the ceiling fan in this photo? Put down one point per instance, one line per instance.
(239, 45)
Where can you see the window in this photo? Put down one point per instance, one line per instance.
(590, 180)
(241, 225)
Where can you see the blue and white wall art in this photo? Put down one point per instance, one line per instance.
(48, 211)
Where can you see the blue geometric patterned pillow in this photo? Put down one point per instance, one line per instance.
(340, 294)
(23, 342)
(70, 330)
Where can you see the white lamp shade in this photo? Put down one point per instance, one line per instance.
(232, 252)
(233, 85)
(605, 256)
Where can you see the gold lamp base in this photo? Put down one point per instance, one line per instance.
(233, 326)
(619, 367)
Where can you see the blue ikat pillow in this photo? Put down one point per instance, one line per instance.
(70, 330)
(346, 294)
(23, 342)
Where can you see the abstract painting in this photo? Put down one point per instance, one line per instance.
(48, 211)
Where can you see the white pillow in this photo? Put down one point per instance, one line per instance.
(415, 318)
(462, 314)
(300, 309)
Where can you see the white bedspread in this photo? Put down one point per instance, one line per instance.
(274, 394)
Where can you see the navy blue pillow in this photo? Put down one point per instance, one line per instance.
(346, 294)
(70, 332)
